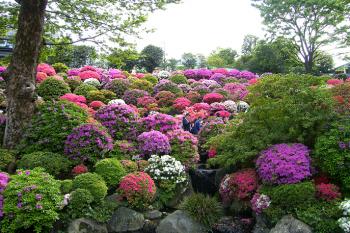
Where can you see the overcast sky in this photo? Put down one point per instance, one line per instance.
(200, 26)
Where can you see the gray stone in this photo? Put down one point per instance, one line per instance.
(153, 214)
(288, 224)
(260, 225)
(181, 191)
(125, 220)
(179, 222)
(83, 225)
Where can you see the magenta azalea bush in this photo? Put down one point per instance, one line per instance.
(153, 143)
(284, 164)
(237, 91)
(88, 143)
(131, 96)
(120, 120)
(161, 122)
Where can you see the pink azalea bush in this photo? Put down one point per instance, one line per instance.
(153, 143)
(89, 74)
(327, 192)
(213, 97)
(237, 91)
(46, 68)
(160, 122)
(40, 76)
(181, 104)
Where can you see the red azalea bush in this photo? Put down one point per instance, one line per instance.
(239, 185)
(79, 169)
(327, 192)
(181, 104)
(89, 74)
(46, 68)
(212, 98)
(73, 98)
(165, 98)
(335, 82)
(138, 189)
(194, 114)
(96, 105)
(223, 114)
(40, 76)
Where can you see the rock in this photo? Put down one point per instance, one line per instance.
(83, 225)
(260, 225)
(179, 222)
(181, 192)
(150, 226)
(203, 180)
(125, 220)
(228, 225)
(153, 214)
(288, 224)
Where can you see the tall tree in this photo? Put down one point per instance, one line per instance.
(202, 61)
(172, 63)
(249, 43)
(85, 20)
(309, 23)
(222, 57)
(151, 57)
(124, 59)
(189, 60)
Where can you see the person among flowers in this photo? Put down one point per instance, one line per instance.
(196, 126)
(186, 125)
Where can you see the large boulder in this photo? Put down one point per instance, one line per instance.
(125, 220)
(288, 224)
(83, 225)
(179, 222)
(230, 225)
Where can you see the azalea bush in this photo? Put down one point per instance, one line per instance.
(165, 98)
(118, 86)
(153, 142)
(92, 182)
(84, 89)
(131, 96)
(52, 89)
(160, 122)
(111, 170)
(166, 85)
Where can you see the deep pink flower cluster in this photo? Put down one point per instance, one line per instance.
(146, 101)
(79, 169)
(260, 202)
(4, 179)
(223, 114)
(239, 185)
(46, 68)
(190, 74)
(115, 73)
(89, 74)
(213, 97)
(327, 192)
(237, 91)
(182, 136)
(73, 98)
(73, 72)
(131, 96)
(138, 189)
(88, 68)
(181, 104)
(40, 76)
(335, 82)
(2, 69)
(88, 142)
(153, 143)
(212, 153)
(234, 73)
(247, 75)
(118, 119)
(220, 71)
(161, 122)
(96, 104)
(284, 164)
(201, 106)
(203, 74)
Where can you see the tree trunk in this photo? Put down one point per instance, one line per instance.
(20, 75)
(309, 64)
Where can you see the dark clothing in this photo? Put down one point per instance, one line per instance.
(186, 125)
(196, 127)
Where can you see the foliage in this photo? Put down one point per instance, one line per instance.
(123, 150)
(32, 199)
(222, 57)
(118, 86)
(142, 84)
(66, 186)
(50, 127)
(52, 89)
(124, 59)
(166, 85)
(165, 98)
(179, 79)
(204, 209)
(189, 60)
(73, 82)
(153, 142)
(131, 96)
(54, 164)
(84, 89)
(79, 203)
(111, 170)
(6, 158)
(129, 166)
(138, 189)
(277, 115)
(151, 79)
(92, 182)
(151, 57)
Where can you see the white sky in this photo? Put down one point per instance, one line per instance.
(200, 26)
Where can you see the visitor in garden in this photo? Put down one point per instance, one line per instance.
(196, 126)
(186, 125)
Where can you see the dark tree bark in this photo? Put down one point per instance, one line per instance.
(20, 75)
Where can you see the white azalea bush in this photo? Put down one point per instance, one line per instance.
(93, 82)
(168, 174)
(116, 101)
(230, 106)
(344, 222)
(163, 74)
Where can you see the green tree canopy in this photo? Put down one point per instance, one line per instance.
(151, 57)
(249, 43)
(124, 59)
(222, 57)
(189, 60)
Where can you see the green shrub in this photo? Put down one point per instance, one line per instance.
(54, 164)
(204, 209)
(142, 84)
(109, 95)
(37, 208)
(84, 89)
(73, 82)
(118, 86)
(151, 79)
(66, 186)
(129, 166)
(284, 109)
(6, 158)
(50, 127)
(124, 150)
(92, 182)
(321, 216)
(60, 67)
(79, 203)
(179, 79)
(52, 89)
(285, 199)
(332, 152)
(96, 96)
(111, 170)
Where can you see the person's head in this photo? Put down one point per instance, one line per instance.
(186, 114)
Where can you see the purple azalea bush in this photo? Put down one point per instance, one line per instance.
(153, 143)
(88, 142)
(237, 91)
(161, 122)
(4, 179)
(284, 164)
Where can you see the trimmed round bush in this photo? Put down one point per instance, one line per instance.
(88, 143)
(204, 209)
(111, 170)
(118, 86)
(31, 201)
(165, 98)
(92, 81)
(141, 84)
(79, 203)
(166, 85)
(92, 182)
(73, 82)
(180, 104)
(284, 164)
(160, 122)
(6, 158)
(51, 125)
(52, 89)
(138, 189)
(96, 96)
(179, 79)
(124, 150)
(131, 96)
(120, 120)
(194, 96)
(151, 79)
(129, 166)
(60, 67)
(153, 142)
(54, 164)
(237, 91)
(84, 89)
(66, 186)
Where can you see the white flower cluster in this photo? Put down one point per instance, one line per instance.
(263, 202)
(116, 101)
(93, 82)
(344, 222)
(166, 168)
(242, 106)
(230, 106)
(163, 74)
